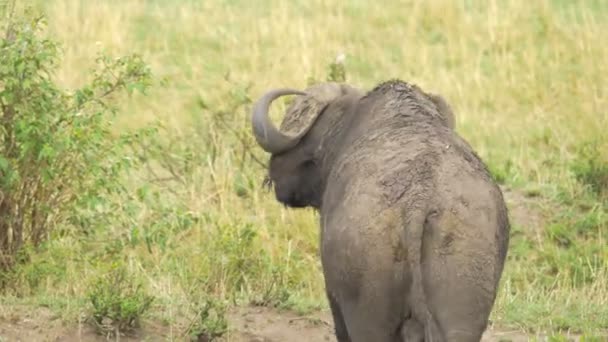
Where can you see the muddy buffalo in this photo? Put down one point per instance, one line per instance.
(414, 232)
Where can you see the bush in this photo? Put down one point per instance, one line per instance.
(118, 301)
(209, 323)
(591, 167)
(57, 152)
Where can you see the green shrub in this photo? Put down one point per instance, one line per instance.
(118, 301)
(58, 155)
(591, 167)
(209, 321)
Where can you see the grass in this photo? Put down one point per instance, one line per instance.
(526, 80)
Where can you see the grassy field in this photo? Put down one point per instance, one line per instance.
(197, 229)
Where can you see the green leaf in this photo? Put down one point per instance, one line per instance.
(4, 164)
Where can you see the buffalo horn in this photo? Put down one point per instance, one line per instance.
(265, 132)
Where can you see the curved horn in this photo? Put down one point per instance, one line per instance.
(265, 132)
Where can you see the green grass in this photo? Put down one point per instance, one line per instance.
(526, 80)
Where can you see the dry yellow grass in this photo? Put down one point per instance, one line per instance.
(516, 72)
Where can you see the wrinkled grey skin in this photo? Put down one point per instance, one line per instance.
(414, 232)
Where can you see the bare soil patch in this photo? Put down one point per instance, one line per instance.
(247, 324)
(268, 325)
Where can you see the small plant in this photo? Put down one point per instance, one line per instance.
(501, 173)
(209, 322)
(591, 168)
(337, 71)
(118, 302)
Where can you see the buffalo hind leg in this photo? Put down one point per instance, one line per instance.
(339, 324)
(460, 294)
(374, 318)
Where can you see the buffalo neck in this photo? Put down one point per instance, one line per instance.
(339, 121)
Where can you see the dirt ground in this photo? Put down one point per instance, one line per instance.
(250, 324)
(263, 325)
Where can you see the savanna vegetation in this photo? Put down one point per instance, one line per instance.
(131, 188)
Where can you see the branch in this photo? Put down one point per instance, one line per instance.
(244, 143)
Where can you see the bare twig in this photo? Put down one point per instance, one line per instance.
(244, 143)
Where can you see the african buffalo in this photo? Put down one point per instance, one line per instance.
(414, 231)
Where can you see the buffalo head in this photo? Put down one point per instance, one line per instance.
(299, 147)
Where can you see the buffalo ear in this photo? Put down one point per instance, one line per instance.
(444, 109)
